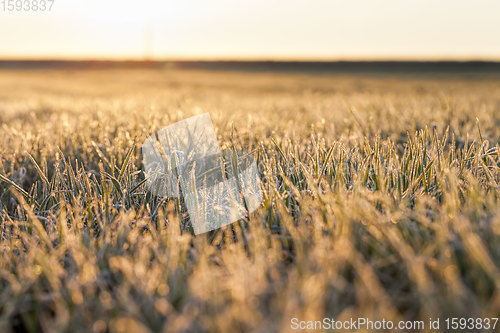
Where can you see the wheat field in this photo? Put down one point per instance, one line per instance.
(381, 199)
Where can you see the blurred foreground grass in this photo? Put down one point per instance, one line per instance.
(381, 200)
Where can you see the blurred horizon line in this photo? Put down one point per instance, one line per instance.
(481, 67)
(255, 59)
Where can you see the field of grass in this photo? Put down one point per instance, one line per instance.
(381, 200)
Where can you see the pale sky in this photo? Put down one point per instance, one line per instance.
(262, 29)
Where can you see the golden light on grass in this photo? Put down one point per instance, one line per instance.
(380, 199)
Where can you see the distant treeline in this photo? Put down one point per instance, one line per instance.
(429, 67)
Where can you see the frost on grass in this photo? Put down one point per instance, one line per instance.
(379, 198)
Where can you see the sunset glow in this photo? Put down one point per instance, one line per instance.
(224, 29)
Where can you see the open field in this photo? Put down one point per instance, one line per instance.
(381, 200)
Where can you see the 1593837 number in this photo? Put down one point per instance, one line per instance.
(471, 323)
(27, 5)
